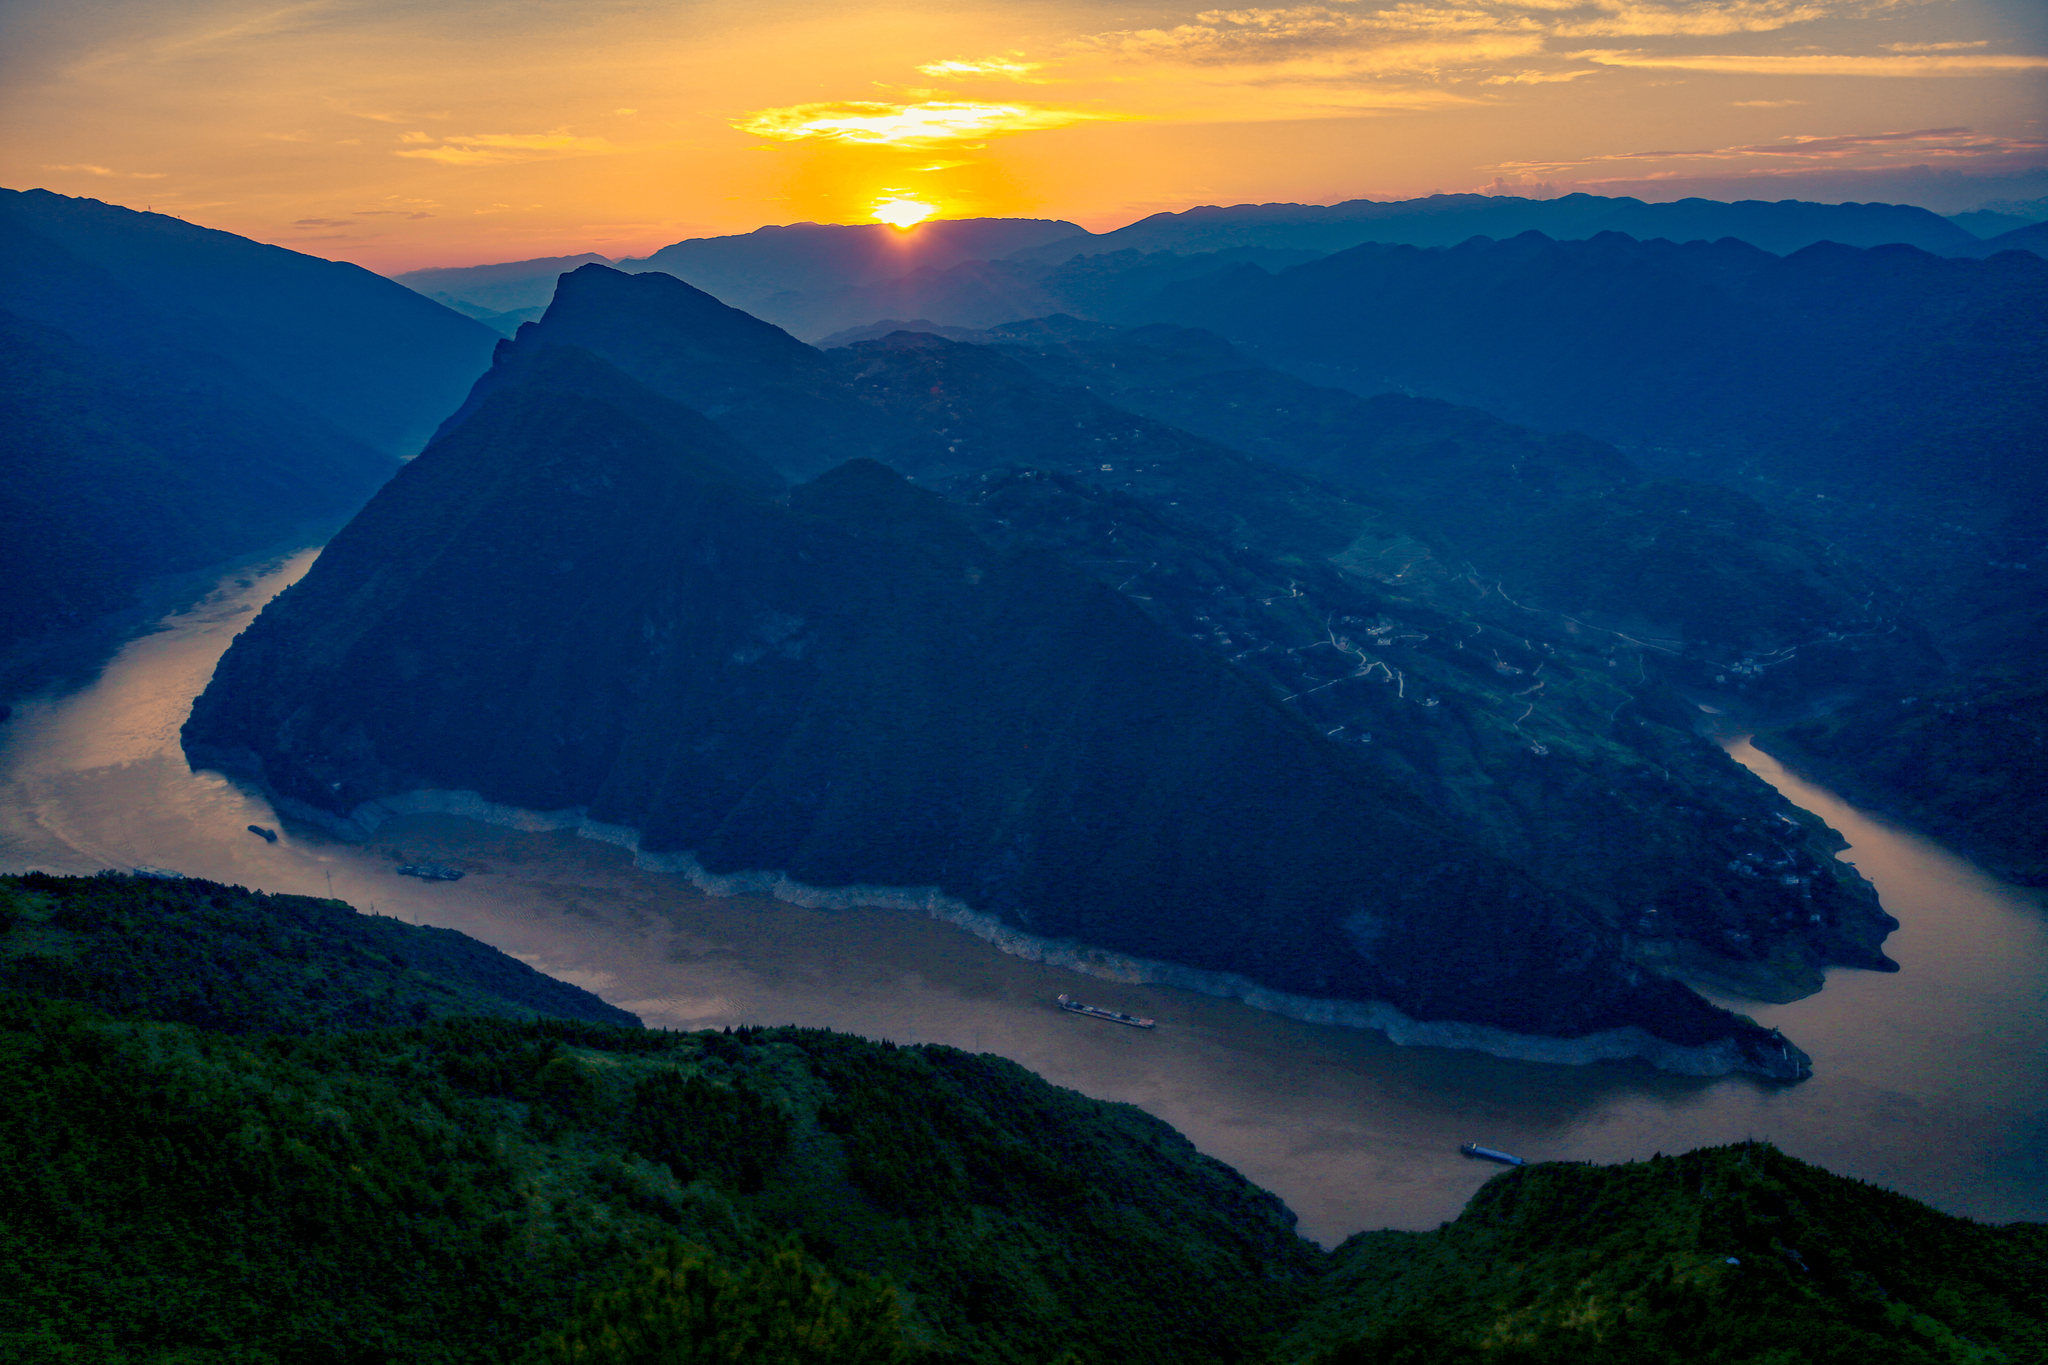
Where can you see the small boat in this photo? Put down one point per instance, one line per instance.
(162, 874)
(1474, 1150)
(268, 836)
(1073, 1006)
(430, 872)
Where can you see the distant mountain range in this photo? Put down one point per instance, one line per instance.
(173, 395)
(817, 279)
(1448, 219)
(1116, 690)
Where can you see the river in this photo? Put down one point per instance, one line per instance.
(1933, 1081)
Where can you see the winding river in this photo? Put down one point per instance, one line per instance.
(1933, 1080)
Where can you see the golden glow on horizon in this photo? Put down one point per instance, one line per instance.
(933, 123)
(405, 133)
(901, 213)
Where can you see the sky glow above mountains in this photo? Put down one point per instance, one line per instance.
(401, 135)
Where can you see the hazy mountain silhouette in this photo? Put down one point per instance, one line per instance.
(1448, 219)
(371, 357)
(749, 268)
(505, 287)
(2029, 237)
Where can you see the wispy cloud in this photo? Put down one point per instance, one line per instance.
(1624, 19)
(1539, 77)
(1812, 150)
(930, 123)
(1011, 68)
(323, 222)
(490, 149)
(1823, 64)
(1937, 47)
(1242, 34)
(88, 168)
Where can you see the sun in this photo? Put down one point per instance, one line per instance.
(901, 213)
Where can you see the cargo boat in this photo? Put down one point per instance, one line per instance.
(1474, 1150)
(430, 872)
(1073, 1006)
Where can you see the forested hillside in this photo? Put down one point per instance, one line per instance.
(301, 1183)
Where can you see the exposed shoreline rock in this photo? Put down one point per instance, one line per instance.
(1725, 1056)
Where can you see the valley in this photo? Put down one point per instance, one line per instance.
(1925, 1080)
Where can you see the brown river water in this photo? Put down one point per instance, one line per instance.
(1933, 1081)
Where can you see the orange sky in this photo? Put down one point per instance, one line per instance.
(405, 134)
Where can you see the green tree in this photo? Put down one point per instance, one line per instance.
(679, 1307)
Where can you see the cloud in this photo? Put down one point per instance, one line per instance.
(1936, 47)
(1622, 19)
(930, 123)
(1801, 152)
(490, 149)
(1824, 64)
(1253, 33)
(1539, 77)
(1521, 186)
(1765, 104)
(1008, 67)
(324, 222)
(88, 168)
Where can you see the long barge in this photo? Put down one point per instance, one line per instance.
(1478, 1153)
(1073, 1006)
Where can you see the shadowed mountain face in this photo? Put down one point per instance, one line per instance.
(171, 396)
(1881, 374)
(144, 461)
(1126, 695)
(856, 689)
(1562, 523)
(363, 354)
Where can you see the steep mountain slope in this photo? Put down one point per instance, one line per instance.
(573, 601)
(1967, 762)
(144, 458)
(958, 417)
(368, 356)
(1441, 220)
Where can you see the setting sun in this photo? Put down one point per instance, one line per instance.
(899, 212)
